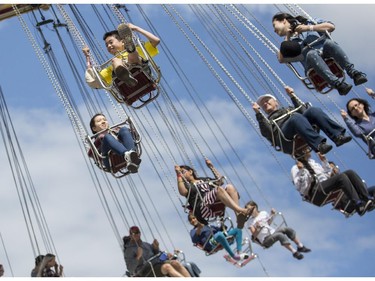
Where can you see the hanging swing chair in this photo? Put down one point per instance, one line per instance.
(148, 75)
(117, 163)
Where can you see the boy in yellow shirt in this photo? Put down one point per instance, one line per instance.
(117, 41)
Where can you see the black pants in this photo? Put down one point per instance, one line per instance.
(350, 183)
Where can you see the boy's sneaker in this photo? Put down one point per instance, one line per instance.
(126, 35)
(303, 249)
(298, 255)
(123, 74)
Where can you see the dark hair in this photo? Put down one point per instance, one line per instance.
(281, 16)
(39, 259)
(294, 21)
(92, 121)
(185, 167)
(113, 33)
(365, 103)
(252, 203)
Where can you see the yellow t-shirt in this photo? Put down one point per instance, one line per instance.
(106, 73)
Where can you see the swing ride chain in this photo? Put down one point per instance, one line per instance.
(75, 121)
(221, 81)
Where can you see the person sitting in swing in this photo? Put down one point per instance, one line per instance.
(360, 120)
(300, 122)
(261, 230)
(140, 262)
(188, 181)
(116, 42)
(300, 34)
(309, 175)
(118, 140)
(210, 236)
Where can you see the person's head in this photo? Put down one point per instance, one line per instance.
(1, 270)
(284, 22)
(252, 206)
(335, 168)
(113, 42)
(98, 123)
(268, 103)
(39, 259)
(51, 260)
(193, 220)
(188, 173)
(135, 233)
(356, 108)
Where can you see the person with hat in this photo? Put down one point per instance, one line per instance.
(307, 42)
(145, 260)
(297, 122)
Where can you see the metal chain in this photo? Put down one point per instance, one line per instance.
(55, 83)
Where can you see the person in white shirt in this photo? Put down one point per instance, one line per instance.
(309, 175)
(261, 229)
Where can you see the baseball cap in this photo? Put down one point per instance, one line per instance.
(134, 229)
(260, 99)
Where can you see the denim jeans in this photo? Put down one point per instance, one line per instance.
(301, 124)
(124, 143)
(330, 49)
(220, 238)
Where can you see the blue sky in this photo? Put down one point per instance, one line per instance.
(86, 244)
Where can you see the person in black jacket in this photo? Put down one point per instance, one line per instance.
(297, 120)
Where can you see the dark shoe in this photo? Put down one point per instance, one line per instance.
(371, 207)
(363, 207)
(132, 168)
(298, 255)
(359, 78)
(342, 139)
(343, 88)
(241, 219)
(324, 148)
(126, 36)
(123, 74)
(303, 249)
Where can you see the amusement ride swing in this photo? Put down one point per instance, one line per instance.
(84, 136)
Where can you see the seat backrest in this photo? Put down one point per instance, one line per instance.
(319, 83)
(145, 86)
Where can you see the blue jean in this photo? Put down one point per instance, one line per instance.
(236, 233)
(301, 124)
(330, 49)
(124, 143)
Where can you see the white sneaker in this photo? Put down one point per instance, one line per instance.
(132, 157)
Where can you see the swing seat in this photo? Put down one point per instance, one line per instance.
(247, 249)
(319, 83)
(145, 91)
(218, 247)
(117, 164)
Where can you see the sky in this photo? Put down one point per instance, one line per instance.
(86, 244)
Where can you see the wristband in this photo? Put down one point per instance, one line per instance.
(311, 28)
